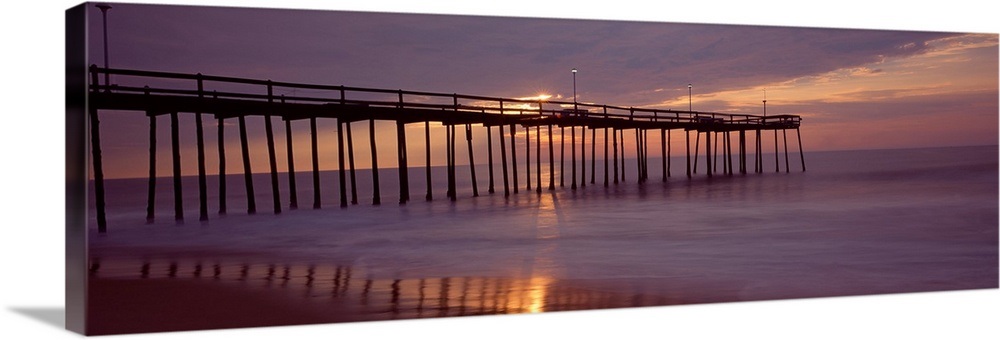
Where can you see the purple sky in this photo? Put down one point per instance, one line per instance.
(856, 89)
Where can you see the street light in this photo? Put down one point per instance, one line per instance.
(765, 103)
(689, 97)
(574, 91)
(104, 13)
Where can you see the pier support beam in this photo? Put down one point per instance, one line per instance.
(404, 174)
(341, 168)
(527, 158)
(802, 156)
(621, 144)
(743, 152)
(513, 155)
(453, 186)
(538, 159)
(222, 165)
(448, 141)
(562, 157)
(687, 149)
(271, 157)
(572, 152)
(293, 200)
(663, 152)
(614, 138)
(376, 193)
(97, 161)
(606, 155)
(427, 143)
(583, 156)
(593, 156)
(350, 163)
(315, 162)
(200, 141)
(472, 160)
(697, 143)
(176, 152)
(777, 168)
(151, 199)
(784, 138)
(247, 173)
(638, 155)
(708, 153)
(552, 164)
(503, 159)
(489, 155)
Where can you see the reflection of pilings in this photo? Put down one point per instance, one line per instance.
(176, 152)
(472, 160)
(377, 196)
(151, 200)
(513, 156)
(438, 297)
(315, 162)
(247, 174)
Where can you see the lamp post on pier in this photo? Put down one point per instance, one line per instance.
(104, 14)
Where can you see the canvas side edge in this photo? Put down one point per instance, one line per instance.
(76, 168)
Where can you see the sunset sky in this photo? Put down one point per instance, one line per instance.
(855, 89)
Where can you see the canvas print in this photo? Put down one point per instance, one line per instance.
(243, 167)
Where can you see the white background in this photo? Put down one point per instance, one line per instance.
(32, 190)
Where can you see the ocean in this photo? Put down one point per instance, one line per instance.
(856, 223)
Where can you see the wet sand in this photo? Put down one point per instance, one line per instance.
(158, 295)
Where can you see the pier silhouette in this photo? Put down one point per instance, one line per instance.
(171, 94)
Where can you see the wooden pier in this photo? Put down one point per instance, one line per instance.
(162, 95)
